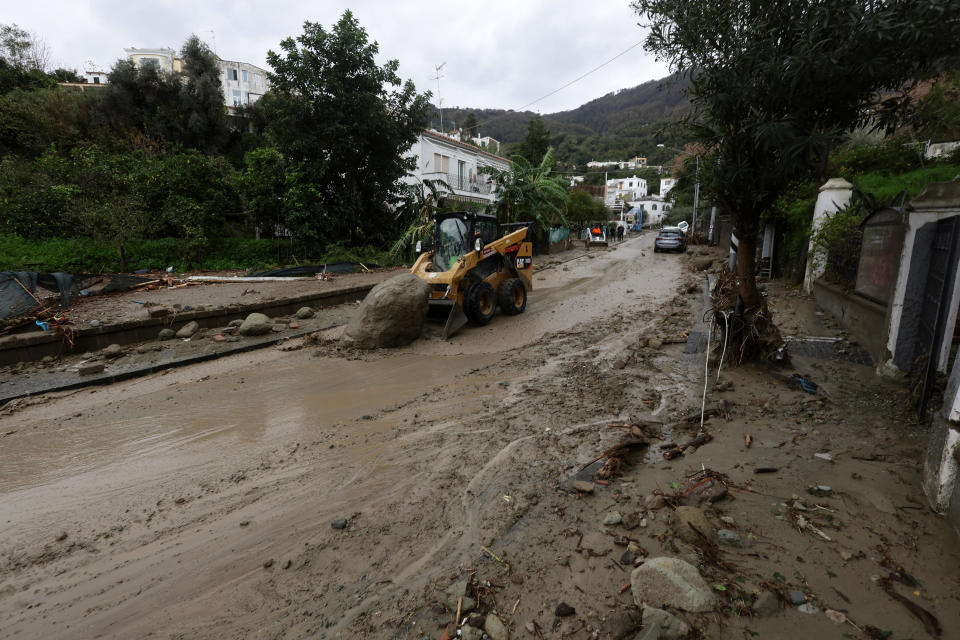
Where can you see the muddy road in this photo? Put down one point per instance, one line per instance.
(152, 506)
(317, 492)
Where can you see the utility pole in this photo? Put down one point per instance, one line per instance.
(439, 99)
(696, 186)
(696, 195)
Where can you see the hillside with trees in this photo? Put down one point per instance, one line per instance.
(617, 126)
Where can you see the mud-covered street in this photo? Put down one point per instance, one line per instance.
(313, 491)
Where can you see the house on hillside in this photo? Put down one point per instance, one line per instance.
(632, 163)
(163, 59)
(243, 83)
(94, 75)
(666, 186)
(607, 164)
(488, 144)
(627, 189)
(654, 209)
(460, 165)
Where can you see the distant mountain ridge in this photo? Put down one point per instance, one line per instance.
(617, 126)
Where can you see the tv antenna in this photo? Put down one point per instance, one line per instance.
(439, 99)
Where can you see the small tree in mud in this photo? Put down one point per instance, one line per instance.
(416, 208)
(776, 83)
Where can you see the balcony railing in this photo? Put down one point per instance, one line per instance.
(479, 186)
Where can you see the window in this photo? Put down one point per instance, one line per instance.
(436, 162)
(487, 230)
(653, 207)
(96, 79)
(236, 97)
(146, 63)
(244, 72)
(231, 74)
(461, 166)
(446, 164)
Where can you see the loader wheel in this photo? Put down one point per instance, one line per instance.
(479, 302)
(512, 296)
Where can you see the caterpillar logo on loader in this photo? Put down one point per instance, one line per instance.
(473, 265)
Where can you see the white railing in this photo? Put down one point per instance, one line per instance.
(462, 183)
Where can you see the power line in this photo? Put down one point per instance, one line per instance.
(579, 78)
(574, 81)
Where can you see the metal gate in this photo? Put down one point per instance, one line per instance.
(933, 311)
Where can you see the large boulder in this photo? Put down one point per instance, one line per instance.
(391, 315)
(671, 582)
(255, 324)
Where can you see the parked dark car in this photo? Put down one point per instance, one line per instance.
(670, 239)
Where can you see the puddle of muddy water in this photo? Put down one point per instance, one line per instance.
(243, 411)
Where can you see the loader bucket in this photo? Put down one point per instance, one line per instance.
(455, 321)
(450, 314)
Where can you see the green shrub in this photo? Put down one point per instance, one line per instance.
(884, 186)
(891, 156)
(81, 255)
(676, 215)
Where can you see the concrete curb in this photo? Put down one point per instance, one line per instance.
(109, 378)
(25, 347)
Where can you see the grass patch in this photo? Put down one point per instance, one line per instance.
(885, 187)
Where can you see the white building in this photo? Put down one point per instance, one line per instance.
(654, 209)
(593, 164)
(490, 144)
(163, 59)
(460, 165)
(94, 75)
(243, 83)
(628, 189)
(632, 163)
(666, 185)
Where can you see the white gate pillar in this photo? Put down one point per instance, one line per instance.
(834, 195)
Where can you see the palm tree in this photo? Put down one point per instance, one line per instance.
(530, 194)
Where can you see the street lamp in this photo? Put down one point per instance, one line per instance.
(696, 186)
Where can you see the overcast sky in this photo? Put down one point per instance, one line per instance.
(498, 54)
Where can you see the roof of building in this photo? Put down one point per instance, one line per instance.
(454, 141)
(249, 64)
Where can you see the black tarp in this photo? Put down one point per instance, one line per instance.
(16, 288)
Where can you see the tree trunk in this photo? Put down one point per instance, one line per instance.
(123, 259)
(747, 271)
(753, 336)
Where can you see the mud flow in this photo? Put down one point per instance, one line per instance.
(314, 491)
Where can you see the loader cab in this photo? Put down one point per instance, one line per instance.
(456, 234)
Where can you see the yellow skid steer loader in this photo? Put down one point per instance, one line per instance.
(474, 264)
